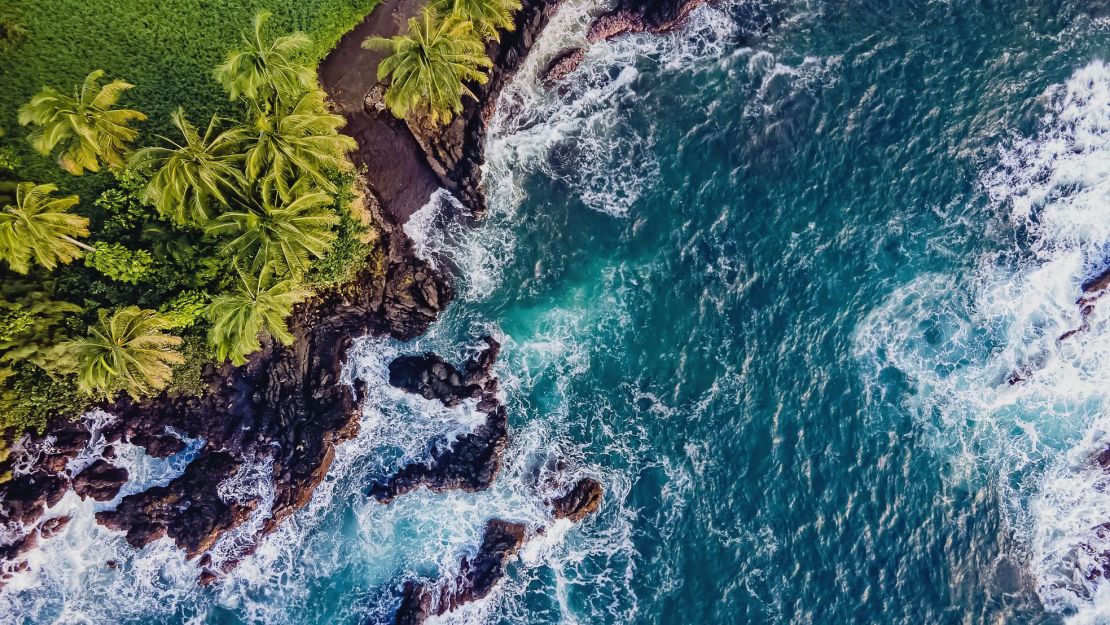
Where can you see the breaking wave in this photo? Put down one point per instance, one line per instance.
(995, 389)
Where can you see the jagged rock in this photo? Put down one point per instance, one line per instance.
(634, 16)
(477, 576)
(429, 376)
(472, 460)
(563, 64)
(456, 151)
(579, 502)
(51, 527)
(1097, 283)
(100, 481)
(501, 540)
(189, 509)
(614, 24)
(375, 99)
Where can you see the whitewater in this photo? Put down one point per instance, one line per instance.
(789, 282)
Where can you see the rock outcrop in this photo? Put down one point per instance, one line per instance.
(635, 16)
(1093, 289)
(286, 405)
(478, 576)
(582, 500)
(100, 481)
(562, 64)
(472, 460)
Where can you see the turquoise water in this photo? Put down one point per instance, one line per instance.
(766, 278)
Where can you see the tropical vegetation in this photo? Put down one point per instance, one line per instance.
(257, 307)
(429, 67)
(197, 245)
(489, 17)
(87, 126)
(127, 350)
(39, 227)
(195, 170)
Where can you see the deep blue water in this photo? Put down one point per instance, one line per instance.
(766, 278)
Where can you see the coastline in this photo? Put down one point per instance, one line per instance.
(289, 405)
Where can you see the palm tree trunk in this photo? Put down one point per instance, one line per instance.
(84, 246)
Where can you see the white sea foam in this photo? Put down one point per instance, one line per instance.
(342, 534)
(68, 574)
(960, 341)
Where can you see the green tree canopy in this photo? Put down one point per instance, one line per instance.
(40, 227)
(429, 65)
(265, 69)
(119, 263)
(192, 175)
(488, 16)
(85, 125)
(284, 146)
(260, 305)
(128, 351)
(282, 234)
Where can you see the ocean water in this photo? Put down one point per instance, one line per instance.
(766, 278)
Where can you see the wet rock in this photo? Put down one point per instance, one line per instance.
(1099, 282)
(634, 16)
(456, 151)
(477, 576)
(562, 64)
(189, 509)
(100, 481)
(161, 444)
(579, 502)
(429, 376)
(472, 460)
(614, 24)
(51, 527)
(206, 578)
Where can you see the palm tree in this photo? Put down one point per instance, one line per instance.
(259, 305)
(265, 69)
(126, 350)
(41, 227)
(32, 326)
(191, 175)
(287, 145)
(488, 16)
(85, 125)
(428, 66)
(283, 234)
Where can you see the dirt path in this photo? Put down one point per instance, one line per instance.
(395, 166)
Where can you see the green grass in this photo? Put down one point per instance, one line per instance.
(167, 48)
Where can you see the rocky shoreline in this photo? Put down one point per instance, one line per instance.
(288, 406)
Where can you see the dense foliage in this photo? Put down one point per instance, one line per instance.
(169, 52)
(198, 249)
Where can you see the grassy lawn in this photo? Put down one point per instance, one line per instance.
(167, 48)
